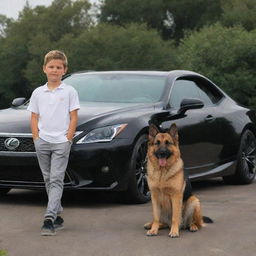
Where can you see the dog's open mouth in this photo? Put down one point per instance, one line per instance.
(162, 162)
(162, 155)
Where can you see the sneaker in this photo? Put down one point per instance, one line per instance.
(48, 228)
(58, 223)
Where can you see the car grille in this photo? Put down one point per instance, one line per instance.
(26, 144)
(25, 174)
(21, 173)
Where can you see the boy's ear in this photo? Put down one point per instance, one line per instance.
(65, 70)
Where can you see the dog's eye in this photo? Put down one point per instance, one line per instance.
(157, 142)
(167, 143)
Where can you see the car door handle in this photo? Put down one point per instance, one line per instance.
(209, 118)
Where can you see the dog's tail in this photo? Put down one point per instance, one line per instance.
(207, 219)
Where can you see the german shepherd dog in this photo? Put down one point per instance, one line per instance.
(173, 204)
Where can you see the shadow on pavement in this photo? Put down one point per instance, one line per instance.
(89, 198)
(70, 198)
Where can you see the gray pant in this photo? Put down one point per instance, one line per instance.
(53, 160)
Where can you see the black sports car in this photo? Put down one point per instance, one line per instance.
(217, 136)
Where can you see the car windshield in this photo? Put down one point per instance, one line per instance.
(121, 88)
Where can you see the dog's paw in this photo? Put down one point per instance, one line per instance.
(174, 234)
(152, 232)
(148, 225)
(193, 228)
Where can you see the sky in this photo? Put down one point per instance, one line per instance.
(11, 8)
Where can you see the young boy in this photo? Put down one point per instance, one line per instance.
(53, 108)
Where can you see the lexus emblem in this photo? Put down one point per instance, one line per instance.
(11, 143)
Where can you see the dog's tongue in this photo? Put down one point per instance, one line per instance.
(162, 162)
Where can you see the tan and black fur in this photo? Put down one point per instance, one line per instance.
(167, 185)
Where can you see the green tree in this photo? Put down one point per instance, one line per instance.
(72, 19)
(193, 14)
(225, 55)
(108, 47)
(151, 12)
(13, 55)
(239, 12)
(171, 18)
(25, 41)
(4, 23)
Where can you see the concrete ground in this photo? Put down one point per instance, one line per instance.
(95, 224)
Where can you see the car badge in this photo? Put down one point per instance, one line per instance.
(11, 143)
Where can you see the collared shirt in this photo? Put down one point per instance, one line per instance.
(53, 108)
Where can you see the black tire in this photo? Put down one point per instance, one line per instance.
(4, 191)
(138, 190)
(246, 161)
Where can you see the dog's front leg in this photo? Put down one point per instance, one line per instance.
(176, 215)
(156, 215)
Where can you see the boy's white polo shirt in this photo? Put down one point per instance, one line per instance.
(53, 108)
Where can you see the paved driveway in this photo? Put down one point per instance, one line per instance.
(97, 225)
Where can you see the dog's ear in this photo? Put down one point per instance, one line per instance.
(173, 131)
(153, 131)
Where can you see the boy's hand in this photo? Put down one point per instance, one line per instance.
(72, 125)
(70, 138)
(34, 126)
(35, 138)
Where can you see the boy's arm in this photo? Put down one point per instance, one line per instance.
(34, 125)
(72, 124)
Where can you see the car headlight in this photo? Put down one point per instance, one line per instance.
(103, 134)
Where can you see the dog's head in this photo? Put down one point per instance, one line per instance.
(163, 146)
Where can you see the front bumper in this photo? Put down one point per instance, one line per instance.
(96, 166)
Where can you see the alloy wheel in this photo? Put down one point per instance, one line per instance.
(248, 157)
(141, 170)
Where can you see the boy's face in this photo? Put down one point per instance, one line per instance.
(54, 70)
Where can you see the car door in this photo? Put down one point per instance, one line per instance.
(199, 129)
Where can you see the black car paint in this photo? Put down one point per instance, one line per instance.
(209, 139)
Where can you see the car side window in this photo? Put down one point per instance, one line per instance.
(209, 93)
(185, 88)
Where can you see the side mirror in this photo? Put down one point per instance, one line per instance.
(187, 104)
(18, 102)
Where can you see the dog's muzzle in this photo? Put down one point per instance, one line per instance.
(162, 154)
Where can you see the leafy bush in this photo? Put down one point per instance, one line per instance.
(225, 55)
(109, 47)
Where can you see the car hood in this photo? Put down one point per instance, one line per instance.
(17, 120)
(92, 110)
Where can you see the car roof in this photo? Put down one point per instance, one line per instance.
(140, 72)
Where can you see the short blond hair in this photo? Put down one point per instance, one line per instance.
(56, 55)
